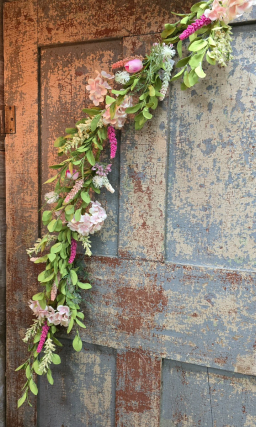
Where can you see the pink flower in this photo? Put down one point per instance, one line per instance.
(227, 10)
(191, 29)
(63, 309)
(107, 76)
(72, 251)
(77, 187)
(45, 330)
(98, 89)
(37, 310)
(133, 66)
(120, 115)
(73, 175)
(64, 321)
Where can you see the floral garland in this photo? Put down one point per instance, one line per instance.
(73, 216)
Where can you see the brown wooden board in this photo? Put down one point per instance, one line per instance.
(142, 308)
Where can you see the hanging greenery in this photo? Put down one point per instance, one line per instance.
(72, 215)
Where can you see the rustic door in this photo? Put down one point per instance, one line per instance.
(171, 322)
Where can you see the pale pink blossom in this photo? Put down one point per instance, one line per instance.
(64, 321)
(63, 309)
(107, 76)
(73, 175)
(120, 114)
(98, 89)
(133, 66)
(37, 310)
(88, 224)
(228, 10)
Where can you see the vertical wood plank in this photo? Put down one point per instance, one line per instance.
(21, 90)
(137, 389)
(233, 399)
(185, 395)
(143, 178)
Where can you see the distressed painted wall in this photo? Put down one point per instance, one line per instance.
(177, 281)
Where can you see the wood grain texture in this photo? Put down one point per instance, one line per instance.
(137, 389)
(186, 399)
(193, 314)
(21, 89)
(211, 178)
(143, 178)
(233, 399)
(83, 394)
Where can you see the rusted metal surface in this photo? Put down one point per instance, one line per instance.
(137, 388)
(84, 389)
(21, 89)
(9, 119)
(158, 303)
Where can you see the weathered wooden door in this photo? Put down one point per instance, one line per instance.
(171, 326)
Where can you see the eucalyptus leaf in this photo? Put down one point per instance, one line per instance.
(77, 343)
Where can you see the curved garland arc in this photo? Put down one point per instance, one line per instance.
(72, 215)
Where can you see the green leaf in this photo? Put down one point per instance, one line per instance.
(70, 326)
(147, 114)
(134, 83)
(36, 367)
(183, 62)
(193, 78)
(210, 60)
(185, 20)
(51, 179)
(71, 130)
(69, 210)
(56, 248)
(84, 285)
(33, 387)
(60, 141)
(48, 278)
(197, 45)
(77, 343)
(79, 314)
(51, 257)
(56, 360)
(178, 75)
(49, 377)
(196, 6)
(167, 32)
(21, 367)
(63, 289)
(95, 121)
(110, 100)
(41, 259)
(90, 157)
(131, 110)
(28, 372)
(85, 196)
(74, 277)
(42, 304)
(200, 72)
(90, 111)
(179, 49)
(78, 214)
(22, 399)
(112, 110)
(81, 324)
(52, 225)
(151, 90)
(197, 59)
(57, 342)
(38, 297)
(47, 216)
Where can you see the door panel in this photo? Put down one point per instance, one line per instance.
(177, 279)
(211, 188)
(63, 76)
(84, 389)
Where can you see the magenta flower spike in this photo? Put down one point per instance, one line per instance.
(113, 141)
(72, 251)
(45, 330)
(199, 23)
